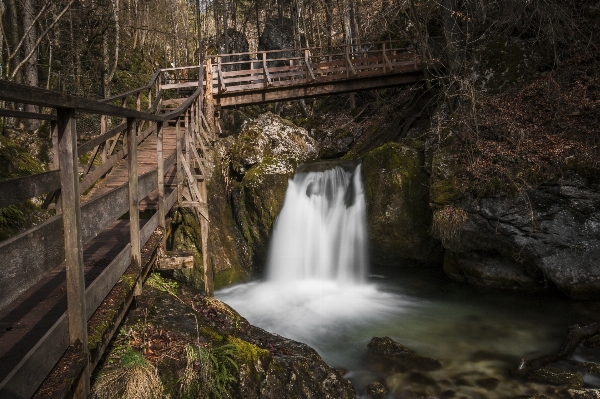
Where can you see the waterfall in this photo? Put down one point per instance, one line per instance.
(321, 230)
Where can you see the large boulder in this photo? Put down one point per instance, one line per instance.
(398, 212)
(539, 239)
(264, 158)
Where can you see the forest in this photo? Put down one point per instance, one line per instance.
(468, 229)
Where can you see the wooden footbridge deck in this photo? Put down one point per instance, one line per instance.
(86, 263)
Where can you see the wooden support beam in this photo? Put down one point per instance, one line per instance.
(134, 216)
(176, 260)
(267, 76)
(193, 187)
(222, 87)
(67, 151)
(209, 105)
(161, 174)
(386, 64)
(309, 72)
(209, 285)
(349, 63)
(179, 157)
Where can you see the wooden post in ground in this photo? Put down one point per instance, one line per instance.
(209, 284)
(67, 153)
(134, 216)
(161, 176)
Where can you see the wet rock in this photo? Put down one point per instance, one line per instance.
(541, 239)
(591, 368)
(384, 352)
(584, 393)
(488, 383)
(555, 376)
(376, 390)
(398, 212)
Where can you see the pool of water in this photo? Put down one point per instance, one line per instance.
(477, 335)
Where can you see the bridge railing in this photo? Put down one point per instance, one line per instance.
(26, 258)
(288, 67)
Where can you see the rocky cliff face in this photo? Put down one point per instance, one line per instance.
(398, 212)
(539, 239)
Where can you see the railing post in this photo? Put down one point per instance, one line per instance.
(209, 285)
(209, 106)
(161, 175)
(102, 131)
(150, 97)
(179, 166)
(134, 216)
(67, 152)
(186, 132)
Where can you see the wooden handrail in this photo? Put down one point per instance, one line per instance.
(131, 92)
(27, 115)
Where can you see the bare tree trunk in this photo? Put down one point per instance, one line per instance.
(328, 21)
(30, 72)
(216, 15)
(14, 40)
(109, 71)
(2, 10)
(225, 34)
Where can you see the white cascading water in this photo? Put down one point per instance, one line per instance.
(321, 230)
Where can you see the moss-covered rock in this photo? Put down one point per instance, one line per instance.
(171, 318)
(271, 136)
(398, 212)
(259, 198)
(264, 157)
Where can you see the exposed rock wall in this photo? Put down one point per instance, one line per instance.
(539, 239)
(398, 212)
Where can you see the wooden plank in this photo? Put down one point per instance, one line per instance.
(177, 260)
(26, 377)
(183, 85)
(67, 150)
(193, 186)
(319, 89)
(27, 115)
(22, 188)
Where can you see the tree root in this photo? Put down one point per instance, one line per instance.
(575, 335)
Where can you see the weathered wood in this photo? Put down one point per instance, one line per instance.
(26, 377)
(381, 81)
(310, 75)
(268, 82)
(134, 216)
(171, 86)
(179, 156)
(23, 188)
(90, 163)
(193, 187)
(10, 91)
(176, 260)
(67, 150)
(134, 91)
(161, 174)
(27, 115)
(209, 285)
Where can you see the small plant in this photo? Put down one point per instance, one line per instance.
(170, 287)
(208, 372)
(135, 378)
(447, 222)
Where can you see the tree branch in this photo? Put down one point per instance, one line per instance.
(18, 67)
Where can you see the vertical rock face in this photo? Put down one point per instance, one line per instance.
(538, 239)
(264, 157)
(398, 213)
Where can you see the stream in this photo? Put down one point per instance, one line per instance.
(320, 290)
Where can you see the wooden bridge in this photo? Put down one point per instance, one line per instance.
(66, 283)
